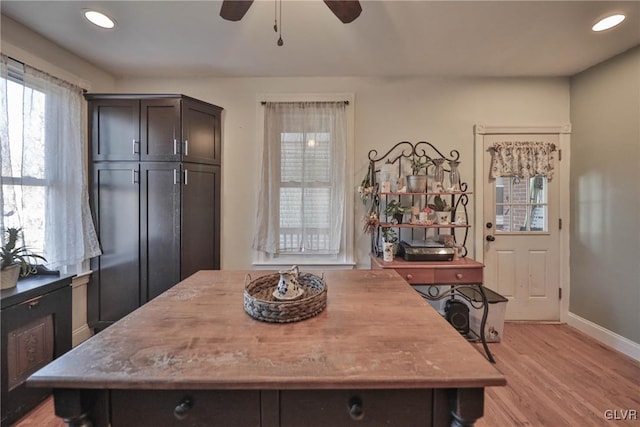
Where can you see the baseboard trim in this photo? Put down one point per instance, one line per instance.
(605, 336)
(81, 334)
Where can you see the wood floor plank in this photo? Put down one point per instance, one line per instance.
(556, 376)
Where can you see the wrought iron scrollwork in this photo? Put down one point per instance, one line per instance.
(400, 156)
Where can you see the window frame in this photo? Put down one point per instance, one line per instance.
(345, 258)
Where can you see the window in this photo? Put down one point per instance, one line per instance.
(302, 213)
(521, 204)
(43, 178)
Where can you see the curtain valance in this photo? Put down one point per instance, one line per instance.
(522, 159)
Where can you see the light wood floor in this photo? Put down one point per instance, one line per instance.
(556, 377)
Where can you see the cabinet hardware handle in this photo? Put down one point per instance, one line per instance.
(186, 176)
(409, 276)
(175, 177)
(355, 408)
(458, 276)
(186, 147)
(175, 146)
(34, 304)
(134, 176)
(182, 409)
(133, 147)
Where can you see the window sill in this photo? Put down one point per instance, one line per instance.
(303, 265)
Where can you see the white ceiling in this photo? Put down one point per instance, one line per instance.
(390, 38)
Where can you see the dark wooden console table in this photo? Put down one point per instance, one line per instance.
(194, 354)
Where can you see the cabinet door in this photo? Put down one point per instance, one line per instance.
(160, 129)
(200, 132)
(200, 246)
(114, 125)
(159, 227)
(115, 282)
(34, 333)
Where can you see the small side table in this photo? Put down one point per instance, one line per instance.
(36, 328)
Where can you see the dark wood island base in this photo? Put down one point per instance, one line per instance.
(270, 408)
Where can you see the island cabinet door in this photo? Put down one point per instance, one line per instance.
(137, 408)
(371, 408)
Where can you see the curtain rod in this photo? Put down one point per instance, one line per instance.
(298, 102)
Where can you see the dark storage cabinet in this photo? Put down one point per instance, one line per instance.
(36, 328)
(155, 196)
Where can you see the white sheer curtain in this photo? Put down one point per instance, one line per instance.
(44, 175)
(302, 197)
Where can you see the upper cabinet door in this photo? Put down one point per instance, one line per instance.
(200, 132)
(115, 129)
(160, 129)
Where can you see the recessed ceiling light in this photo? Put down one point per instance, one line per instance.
(608, 22)
(99, 19)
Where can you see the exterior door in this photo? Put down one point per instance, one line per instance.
(521, 231)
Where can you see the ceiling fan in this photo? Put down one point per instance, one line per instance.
(345, 10)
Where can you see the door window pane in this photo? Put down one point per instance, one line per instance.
(521, 204)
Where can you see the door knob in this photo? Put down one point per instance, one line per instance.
(491, 238)
(489, 225)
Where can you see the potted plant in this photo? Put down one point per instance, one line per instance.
(417, 183)
(395, 211)
(14, 260)
(441, 209)
(390, 239)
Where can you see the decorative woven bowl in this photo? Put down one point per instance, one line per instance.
(260, 303)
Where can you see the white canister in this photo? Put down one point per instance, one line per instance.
(387, 252)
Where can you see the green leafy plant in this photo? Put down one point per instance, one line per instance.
(10, 254)
(389, 235)
(418, 163)
(394, 208)
(439, 204)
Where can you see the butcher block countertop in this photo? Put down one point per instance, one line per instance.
(375, 333)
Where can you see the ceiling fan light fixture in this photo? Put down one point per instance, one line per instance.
(99, 19)
(608, 22)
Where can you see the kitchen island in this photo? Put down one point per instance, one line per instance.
(377, 355)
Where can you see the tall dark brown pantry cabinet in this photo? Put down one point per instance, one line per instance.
(155, 196)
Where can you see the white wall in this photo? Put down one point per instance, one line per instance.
(439, 110)
(21, 43)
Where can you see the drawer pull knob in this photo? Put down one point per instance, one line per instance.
(458, 276)
(355, 408)
(34, 304)
(182, 410)
(409, 276)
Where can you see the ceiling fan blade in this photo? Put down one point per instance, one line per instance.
(345, 10)
(234, 10)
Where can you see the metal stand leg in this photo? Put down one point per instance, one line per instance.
(483, 322)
